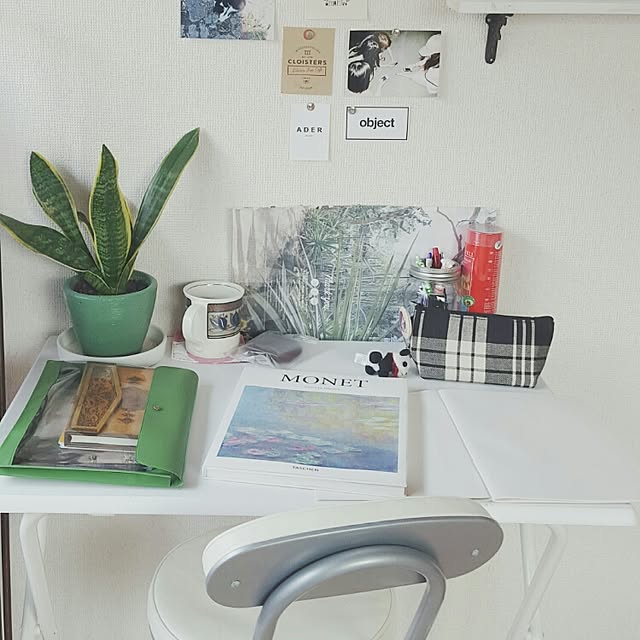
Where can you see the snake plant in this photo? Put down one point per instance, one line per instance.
(105, 260)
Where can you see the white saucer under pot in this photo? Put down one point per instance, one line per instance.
(153, 350)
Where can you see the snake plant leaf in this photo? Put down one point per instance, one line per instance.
(121, 287)
(129, 216)
(161, 187)
(54, 197)
(50, 243)
(109, 218)
(98, 283)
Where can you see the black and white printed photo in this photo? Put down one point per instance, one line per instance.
(394, 63)
(227, 19)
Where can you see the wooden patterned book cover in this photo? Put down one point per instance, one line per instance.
(98, 397)
(121, 429)
(126, 420)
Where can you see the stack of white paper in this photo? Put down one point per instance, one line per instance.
(536, 447)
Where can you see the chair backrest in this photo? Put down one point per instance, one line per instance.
(245, 564)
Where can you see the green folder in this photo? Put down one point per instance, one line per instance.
(31, 448)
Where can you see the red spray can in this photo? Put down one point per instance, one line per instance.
(481, 267)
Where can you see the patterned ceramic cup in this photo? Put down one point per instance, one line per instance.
(211, 323)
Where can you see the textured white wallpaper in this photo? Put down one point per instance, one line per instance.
(550, 135)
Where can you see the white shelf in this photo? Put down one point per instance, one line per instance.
(627, 7)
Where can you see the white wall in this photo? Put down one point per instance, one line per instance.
(549, 134)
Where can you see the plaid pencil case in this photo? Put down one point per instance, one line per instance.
(475, 347)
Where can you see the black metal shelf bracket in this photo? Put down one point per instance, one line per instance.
(495, 21)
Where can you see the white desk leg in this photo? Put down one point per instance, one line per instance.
(529, 563)
(525, 626)
(38, 598)
(29, 628)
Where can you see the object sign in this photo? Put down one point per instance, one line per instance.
(377, 123)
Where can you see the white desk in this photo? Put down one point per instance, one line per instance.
(438, 464)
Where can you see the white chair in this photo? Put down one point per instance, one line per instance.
(330, 573)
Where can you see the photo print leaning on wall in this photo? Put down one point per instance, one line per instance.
(336, 272)
(227, 19)
(394, 63)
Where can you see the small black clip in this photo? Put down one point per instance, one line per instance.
(495, 21)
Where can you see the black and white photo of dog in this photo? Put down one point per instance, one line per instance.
(405, 55)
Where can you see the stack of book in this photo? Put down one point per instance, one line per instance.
(331, 433)
(108, 409)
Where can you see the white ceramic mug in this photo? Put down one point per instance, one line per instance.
(211, 323)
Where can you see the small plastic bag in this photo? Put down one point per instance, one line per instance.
(270, 348)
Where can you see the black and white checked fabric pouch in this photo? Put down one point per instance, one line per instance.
(474, 347)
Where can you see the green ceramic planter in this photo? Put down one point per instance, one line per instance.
(110, 326)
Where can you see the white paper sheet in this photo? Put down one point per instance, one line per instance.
(438, 462)
(536, 447)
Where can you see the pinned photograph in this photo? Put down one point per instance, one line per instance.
(394, 63)
(227, 19)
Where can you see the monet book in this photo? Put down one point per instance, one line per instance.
(312, 430)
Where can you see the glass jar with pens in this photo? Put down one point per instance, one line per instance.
(442, 281)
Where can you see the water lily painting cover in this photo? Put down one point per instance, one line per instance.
(337, 272)
(324, 431)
